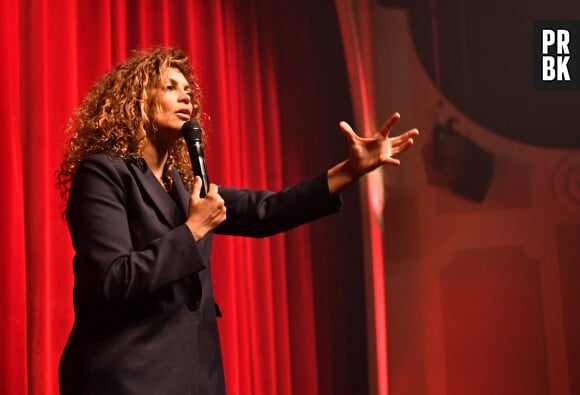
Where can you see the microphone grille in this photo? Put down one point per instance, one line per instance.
(191, 131)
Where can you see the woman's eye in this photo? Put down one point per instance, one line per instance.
(169, 87)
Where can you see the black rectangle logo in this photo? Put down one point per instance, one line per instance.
(556, 46)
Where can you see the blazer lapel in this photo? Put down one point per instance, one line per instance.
(163, 202)
(182, 194)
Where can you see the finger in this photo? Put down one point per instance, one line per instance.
(386, 128)
(196, 187)
(402, 147)
(348, 131)
(213, 189)
(408, 135)
(389, 160)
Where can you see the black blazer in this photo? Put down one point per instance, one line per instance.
(145, 316)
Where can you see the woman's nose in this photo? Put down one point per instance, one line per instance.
(184, 97)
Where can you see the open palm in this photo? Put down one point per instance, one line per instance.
(368, 153)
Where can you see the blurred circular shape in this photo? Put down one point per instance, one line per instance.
(566, 184)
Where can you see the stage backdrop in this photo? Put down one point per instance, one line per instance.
(275, 87)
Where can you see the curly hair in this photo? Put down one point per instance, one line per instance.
(114, 117)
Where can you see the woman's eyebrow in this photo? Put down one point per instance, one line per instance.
(173, 81)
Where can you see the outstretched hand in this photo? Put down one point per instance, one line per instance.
(368, 153)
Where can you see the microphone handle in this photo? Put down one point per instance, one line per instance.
(199, 168)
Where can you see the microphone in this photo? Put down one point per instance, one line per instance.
(191, 132)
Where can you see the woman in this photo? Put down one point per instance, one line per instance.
(145, 317)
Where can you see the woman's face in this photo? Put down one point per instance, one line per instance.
(174, 101)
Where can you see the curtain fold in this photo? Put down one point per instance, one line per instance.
(356, 27)
(13, 344)
(278, 336)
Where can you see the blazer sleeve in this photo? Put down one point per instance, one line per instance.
(107, 266)
(265, 213)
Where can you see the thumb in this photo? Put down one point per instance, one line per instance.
(348, 131)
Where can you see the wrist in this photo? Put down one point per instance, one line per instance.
(197, 233)
(341, 176)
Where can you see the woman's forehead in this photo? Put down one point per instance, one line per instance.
(173, 73)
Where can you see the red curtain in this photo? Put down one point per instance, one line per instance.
(275, 88)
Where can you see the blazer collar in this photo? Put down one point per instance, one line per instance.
(172, 213)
